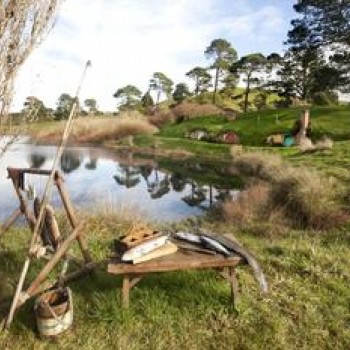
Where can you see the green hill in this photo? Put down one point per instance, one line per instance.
(254, 127)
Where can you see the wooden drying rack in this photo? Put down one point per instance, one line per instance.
(40, 283)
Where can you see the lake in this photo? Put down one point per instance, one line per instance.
(97, 178)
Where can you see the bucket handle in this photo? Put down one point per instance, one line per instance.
(53, 313)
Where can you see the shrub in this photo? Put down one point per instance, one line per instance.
(189, 110)
(160, 118)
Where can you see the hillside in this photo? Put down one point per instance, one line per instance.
(254, 127)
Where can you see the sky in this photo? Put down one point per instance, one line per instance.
(128, 40)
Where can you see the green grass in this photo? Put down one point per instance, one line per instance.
(254, 127)
(307, 306)
(334, 162)
(174, 144)
(308, 272)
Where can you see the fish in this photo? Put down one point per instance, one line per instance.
(188, 237)
(167, 249)
(214, 245)
(144, 248)
(235, 247)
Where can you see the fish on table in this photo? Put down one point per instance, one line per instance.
(215, 245)
(188, 237)
(144, 248)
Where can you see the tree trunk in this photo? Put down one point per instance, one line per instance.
(158, 97)
(247, 92)
(216, 85)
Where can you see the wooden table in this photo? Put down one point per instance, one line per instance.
(181, 260)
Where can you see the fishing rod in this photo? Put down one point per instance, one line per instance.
(19, 296)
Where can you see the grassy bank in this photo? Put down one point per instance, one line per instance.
(307, 306)
(254, 127)
(170, 140)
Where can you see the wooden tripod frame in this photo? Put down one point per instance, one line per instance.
(40, 284)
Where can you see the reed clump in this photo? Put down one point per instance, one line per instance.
(295, 197)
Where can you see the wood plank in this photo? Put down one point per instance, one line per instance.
(178, 261)
(167, 249)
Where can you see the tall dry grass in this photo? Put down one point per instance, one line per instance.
(190, 110)
(96, 130)
(249, 206)
(296, 197)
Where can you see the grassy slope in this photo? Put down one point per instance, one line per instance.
(254, 127)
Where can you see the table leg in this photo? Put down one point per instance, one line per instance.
(129, 281)
(234, 286)
(126, 291)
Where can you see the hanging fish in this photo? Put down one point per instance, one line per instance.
(144, 248)
(214, 245)
(188, 237)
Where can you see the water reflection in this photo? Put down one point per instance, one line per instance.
(70, 161)
(36, 160)
(164, 189)
(128, 176)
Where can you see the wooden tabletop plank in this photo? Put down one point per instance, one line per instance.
(182, 260)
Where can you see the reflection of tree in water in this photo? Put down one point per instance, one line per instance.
(92, 164)
(36, 160)
(146, 172)
(178, 182)
(160, 188)
(197, 196)
(70, 161)
(128, 176)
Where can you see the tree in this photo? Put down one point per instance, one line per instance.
(328, 21)
(91, 104)
(181, 93)
(260, 100)
(249, 67)
(325, 25)
(161, 84)
(307, 70)
(201, 78)
(223, 55)
(147, 100)
(34, 109)
(27, 22)
(64, 105)
(230, 82)
(128, 97)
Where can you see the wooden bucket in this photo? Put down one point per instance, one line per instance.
(54, 312)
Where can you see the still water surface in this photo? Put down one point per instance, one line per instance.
(97, 178)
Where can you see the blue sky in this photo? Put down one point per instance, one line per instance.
(128, 40)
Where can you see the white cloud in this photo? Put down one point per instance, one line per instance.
(128, 40)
